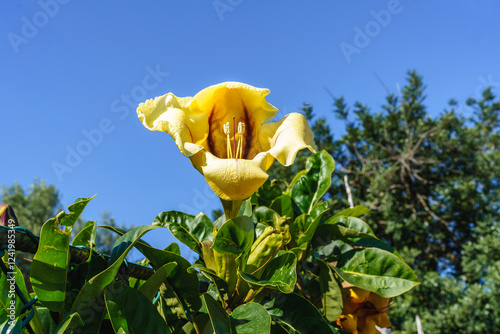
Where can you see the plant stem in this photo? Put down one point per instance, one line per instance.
(231, 208)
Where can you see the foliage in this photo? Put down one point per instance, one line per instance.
(279, 266)
(431, 184)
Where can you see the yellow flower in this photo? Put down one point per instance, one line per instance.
(363, 311)
(224, 131)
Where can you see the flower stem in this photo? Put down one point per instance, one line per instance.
(231, 208)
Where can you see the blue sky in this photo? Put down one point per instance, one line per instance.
(73, 72)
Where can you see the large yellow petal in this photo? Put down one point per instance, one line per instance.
(173, 115)
(286, 137)
(231, 179)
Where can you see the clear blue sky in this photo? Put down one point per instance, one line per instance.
(72, 69)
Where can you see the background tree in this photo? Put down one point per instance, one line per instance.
(431, 184)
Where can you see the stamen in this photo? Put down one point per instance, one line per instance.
(241, 131)
(234, 137)
(227, 132)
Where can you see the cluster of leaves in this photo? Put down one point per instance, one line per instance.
(285, 259)
(430, 180)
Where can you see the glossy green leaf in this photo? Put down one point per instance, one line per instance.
(75, 210)
(50, 266)
(357, 211)
(313, 184)
(266, 194)
(185, 284)
(174, 248)
(167, 217)
(87, 236)
(150, 288)
(170, 308)
(283, 206)
(42, 322)
(220, 320)
(337, 231)
(303, 228)
(297, 314)
(280, 273)
(92, 292)
(132, 311)
(376, 243)
(326, 245)
(351, 226)
(250, 318)
(235, 237)
(188, 229)
(69, 324)
(331, 293)
(376, 270)
(246, 208)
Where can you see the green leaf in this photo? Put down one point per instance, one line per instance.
(357, 211)
(92, 292)
(167, 217)
(376, 270)
(297, 314)
(337, 231)
(221, 285)
(266, 194)
(303, 227)
(186, 228)
(250, 318)
(246, 208)
(313, 184)
(185, 284)
(283, 206)
(76, 210)
(351, 226)
(326, 245)
(280, 273)
(69, 324)
(170, 308)
(375, 243)
(235, 237)
(42, 322)
(87, 236)
(50, 266)
(330, 290)
(132, 311)
(150, 288)
(174, 248)
(219, 318)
